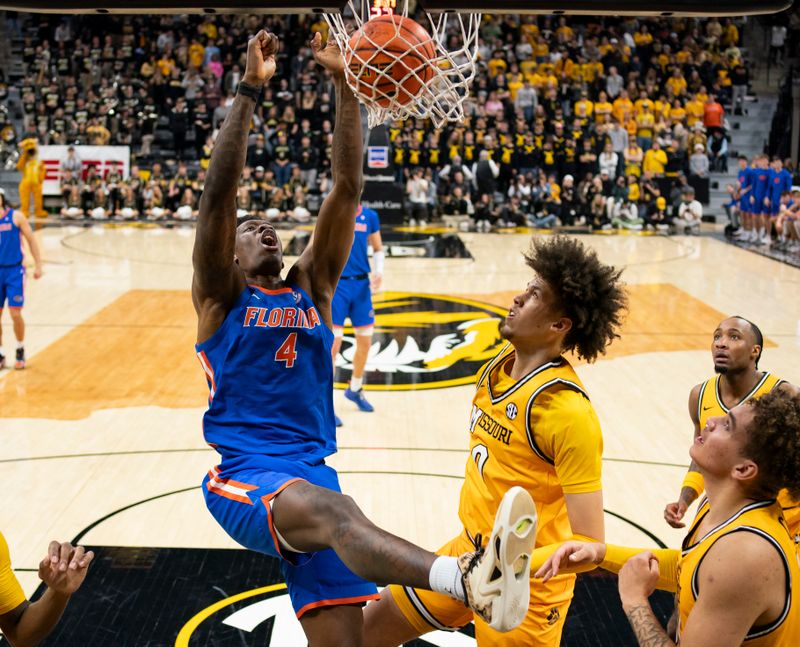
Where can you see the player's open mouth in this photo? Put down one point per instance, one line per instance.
(268, 239)
(698, 440)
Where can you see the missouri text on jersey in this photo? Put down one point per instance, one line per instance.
(484, 421)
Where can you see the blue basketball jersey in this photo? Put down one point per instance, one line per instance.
(10, 241)
(744, 177)
(760, 180)
(366, 223)
(779, 183)
(270, 378)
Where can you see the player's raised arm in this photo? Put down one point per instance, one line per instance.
(217, 280)
(321, 264)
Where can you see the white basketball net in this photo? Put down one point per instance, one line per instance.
(441, 98)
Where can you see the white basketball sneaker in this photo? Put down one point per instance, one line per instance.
(497, 578)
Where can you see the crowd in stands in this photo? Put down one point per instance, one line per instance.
(609, 122)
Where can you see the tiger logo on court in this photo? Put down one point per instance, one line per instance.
(425, 341)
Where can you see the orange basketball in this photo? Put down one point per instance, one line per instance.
(401, 49)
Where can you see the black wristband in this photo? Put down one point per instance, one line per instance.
(250, 91)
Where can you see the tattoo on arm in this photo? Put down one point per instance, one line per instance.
(649, 632)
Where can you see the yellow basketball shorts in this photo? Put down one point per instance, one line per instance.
(427, 611)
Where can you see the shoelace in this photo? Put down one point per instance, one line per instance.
(473, 562)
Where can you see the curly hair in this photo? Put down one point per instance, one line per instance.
(589, 293)
(773, 442)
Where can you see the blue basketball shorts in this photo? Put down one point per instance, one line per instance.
(240, 501)
(353, 298)
(12, 286)
(744, 205)
(758, 207)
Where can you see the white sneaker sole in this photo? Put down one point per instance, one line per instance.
(509, 552)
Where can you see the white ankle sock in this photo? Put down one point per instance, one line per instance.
(445, 577)
(356, 383)
(20, 344)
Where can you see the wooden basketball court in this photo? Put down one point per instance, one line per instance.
(107, 415)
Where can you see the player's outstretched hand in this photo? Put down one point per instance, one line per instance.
(638, 579)
(329, 57)
(571, 553)
(64, 568)
(261, 51)
(674, 512)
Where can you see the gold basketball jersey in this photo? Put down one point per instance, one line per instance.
(764, 519)
(539, 432)
(710, 405)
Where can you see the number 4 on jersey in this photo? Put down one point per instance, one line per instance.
(287, 353)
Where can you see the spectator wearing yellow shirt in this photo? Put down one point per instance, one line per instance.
(645, 123)
(209, 29)
(677, 114)
(694, 111)
(197, 54)
(622, 108)
(515, 82)
(643, 37)
(730, 33)
(27, 624)
(565, 67)
(564, 34)
(541, 50)
(166, 63)
(676, 82)
(698, 136)
(602, 108)
(662, 107)
(496, 64)
(634, 193)
(655, 160)
(584, 107)
(634, 156)
(642, 103)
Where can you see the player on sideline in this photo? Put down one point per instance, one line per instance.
(736, 350)
(780, 182)
(265, 345)
(738, 575)
(744, 181)
(760, 191)
(26, 624)
(12, 272)
(353, 299)
(531, 425)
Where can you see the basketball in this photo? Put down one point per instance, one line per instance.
(389, 59)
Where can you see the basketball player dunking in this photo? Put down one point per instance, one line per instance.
(736, 349)
(737, 577)
(265, 345)
(531, 425)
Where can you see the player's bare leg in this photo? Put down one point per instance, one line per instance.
(311, 518)
(494, 584)
(355, 393)
(19, 333)
(334, 626)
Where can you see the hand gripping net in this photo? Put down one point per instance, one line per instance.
(441, 98)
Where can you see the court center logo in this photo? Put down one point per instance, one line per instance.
(425, 341)
(266, 616)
